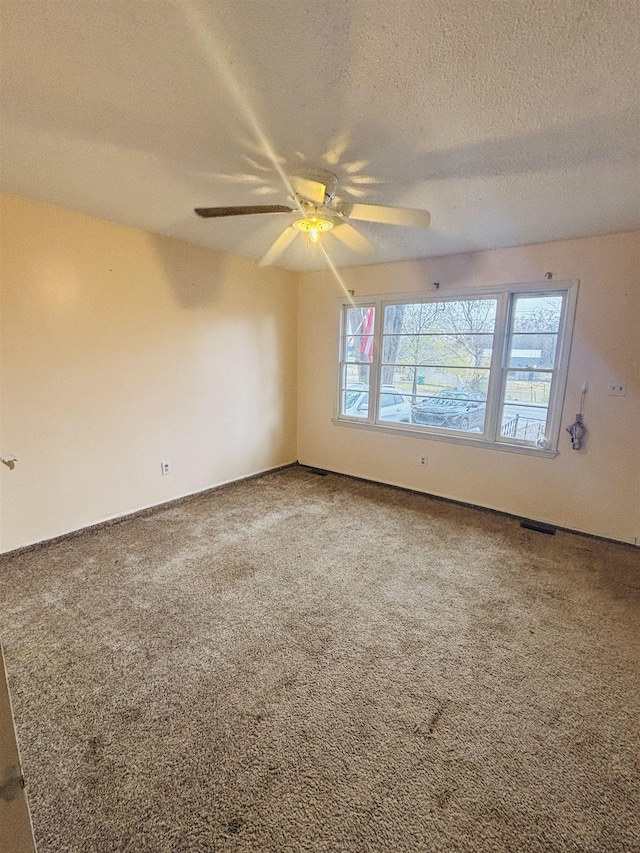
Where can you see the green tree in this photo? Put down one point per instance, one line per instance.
(414, 349)
(467, 324)
(393, 326)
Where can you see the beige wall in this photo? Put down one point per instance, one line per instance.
(596, 490)
(120, 349)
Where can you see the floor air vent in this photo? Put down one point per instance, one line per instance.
(539, 527)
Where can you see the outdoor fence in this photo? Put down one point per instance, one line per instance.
(522, 427)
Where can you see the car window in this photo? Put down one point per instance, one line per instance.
(350, 398)
(386, 400)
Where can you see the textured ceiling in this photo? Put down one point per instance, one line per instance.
(512, 122)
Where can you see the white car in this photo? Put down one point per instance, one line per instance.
(394, 405)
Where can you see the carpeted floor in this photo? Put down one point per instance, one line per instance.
(306, 663)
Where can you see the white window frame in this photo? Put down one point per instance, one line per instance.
(505, 294)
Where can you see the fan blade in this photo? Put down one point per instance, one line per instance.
(387, 215)
(353, 238)
(208, 212)
(278, 246)
(312, 190)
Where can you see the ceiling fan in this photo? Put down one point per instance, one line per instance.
(318, 211)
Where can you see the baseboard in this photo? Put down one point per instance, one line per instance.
(142, 511)
(543, 521)
(149, 510)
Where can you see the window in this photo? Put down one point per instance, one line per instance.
(481, 367)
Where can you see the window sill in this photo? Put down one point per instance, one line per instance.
(470, 441)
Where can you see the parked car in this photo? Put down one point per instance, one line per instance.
(462, 410)
(394, 405)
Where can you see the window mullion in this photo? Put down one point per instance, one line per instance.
(374, 372)
(343, 328)
(506, 353)
(561, 363)
(497, 373)
(346, 360)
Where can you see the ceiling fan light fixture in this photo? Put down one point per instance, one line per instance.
(318, 209)
(313, 226)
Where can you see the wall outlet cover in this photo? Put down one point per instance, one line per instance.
(618, 389)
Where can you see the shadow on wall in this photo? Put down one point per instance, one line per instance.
(238, 334)
(196, 274)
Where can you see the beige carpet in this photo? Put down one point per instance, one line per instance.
(306, 663)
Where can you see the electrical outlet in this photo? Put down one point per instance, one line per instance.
(618, 389)
(165, 467)
(422, 461)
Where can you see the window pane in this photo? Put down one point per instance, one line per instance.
(426, 380)
(453, 317)
(470, 315)
(355, 404)
(428, 347)
(440, 349)
(534, 341)
(537, 313)
(358, 334)
(394, 406)
(410, 319)
(524, 423)
(360, 321)
(528, 387)
(533, 351)
(447, 409)
(359, 348)
(355, 376)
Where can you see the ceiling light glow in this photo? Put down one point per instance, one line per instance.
(313, 226)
